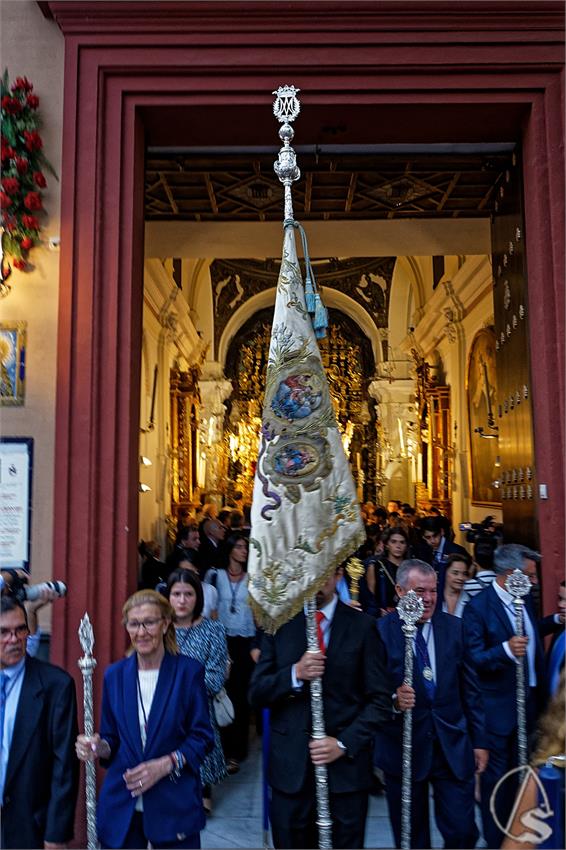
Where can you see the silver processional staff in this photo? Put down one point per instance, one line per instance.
(410, 609)
(87, 664)
(518, 585)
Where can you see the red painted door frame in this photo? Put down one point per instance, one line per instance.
(124, 63)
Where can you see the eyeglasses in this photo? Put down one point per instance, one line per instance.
(148, 626)
(18, 632)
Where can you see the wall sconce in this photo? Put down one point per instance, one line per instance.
(485, 436)
(145, 461)
(144, 488)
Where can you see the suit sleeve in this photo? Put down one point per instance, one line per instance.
(546, 626)
(63, 732)
(269, 684)
(108, 725)
(472, 701)
(377, 697)
(484, 658)
(200, 739)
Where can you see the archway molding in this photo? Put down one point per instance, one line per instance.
(423, 73)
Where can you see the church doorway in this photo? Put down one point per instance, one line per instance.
(173, 74)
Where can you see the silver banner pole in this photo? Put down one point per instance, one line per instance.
(410, 609)
(87, 664)
(518, 585)
(286, 107)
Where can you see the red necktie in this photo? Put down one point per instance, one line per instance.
(319, 618)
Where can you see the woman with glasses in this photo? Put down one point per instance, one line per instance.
(154, 734)
(236, 616)
(204, 640)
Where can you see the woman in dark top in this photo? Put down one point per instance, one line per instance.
(381, 574)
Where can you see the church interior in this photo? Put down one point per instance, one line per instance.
(401, 242)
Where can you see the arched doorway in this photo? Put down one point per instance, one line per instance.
(178, 67)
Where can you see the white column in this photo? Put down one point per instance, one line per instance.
(214, 390)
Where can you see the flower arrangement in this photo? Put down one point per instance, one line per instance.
(23, 178)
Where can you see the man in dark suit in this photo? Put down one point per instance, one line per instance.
(38, 727)
(436, 547)
(449, 739)
(212, 552)
(356, 695)
(495, 650)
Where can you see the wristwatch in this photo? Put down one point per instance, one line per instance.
(342, 746)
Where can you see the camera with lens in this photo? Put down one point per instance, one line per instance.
(486, 537)
(21, 590)
(472, 530)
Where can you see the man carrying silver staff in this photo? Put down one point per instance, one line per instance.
(449, 739)
(356, 698)
(305, 520)
(495, 649)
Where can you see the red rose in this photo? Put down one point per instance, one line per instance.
(11, 104)
(39, 179)
(5, 201)
(32, 201)
(22, 83)
(21, 164)
(30, 222)
(33, 140)
(19, 264)
(10, 185)
(7, 152)
(32, 101)
(26, 243)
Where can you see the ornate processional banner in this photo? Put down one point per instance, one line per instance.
(305, 512)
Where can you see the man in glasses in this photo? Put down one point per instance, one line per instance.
(38, 727)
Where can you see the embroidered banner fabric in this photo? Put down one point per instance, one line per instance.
(305, 517)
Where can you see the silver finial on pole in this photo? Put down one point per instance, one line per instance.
(286, 107)
(410, 609)
(518, 585)
(87, 664)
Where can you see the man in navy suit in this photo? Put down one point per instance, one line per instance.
(436, 547)
(449, 742)
(495, 650)
(356, 699)
(38, 725)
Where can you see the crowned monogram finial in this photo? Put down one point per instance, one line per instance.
(286, 107)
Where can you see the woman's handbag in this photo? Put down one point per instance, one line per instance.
(223, 708)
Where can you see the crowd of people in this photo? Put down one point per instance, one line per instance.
(177, 711)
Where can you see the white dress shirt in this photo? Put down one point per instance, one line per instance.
(507, 601)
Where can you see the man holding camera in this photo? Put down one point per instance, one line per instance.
(38, 728)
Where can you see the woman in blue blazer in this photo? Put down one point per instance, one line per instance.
(154, 733)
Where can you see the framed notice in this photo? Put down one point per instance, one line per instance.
(16, 467)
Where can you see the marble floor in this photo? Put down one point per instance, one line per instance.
(236, 819)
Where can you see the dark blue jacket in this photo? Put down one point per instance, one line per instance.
(486, 628)
(178, 720)
(455, 716)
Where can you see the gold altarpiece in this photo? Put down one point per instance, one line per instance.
(436, 449)
(349, 363)
(184, 417)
